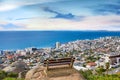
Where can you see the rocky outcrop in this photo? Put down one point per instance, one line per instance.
(38, 73)
(17, 67)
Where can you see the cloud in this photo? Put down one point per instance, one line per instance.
(6, 5)
(23, 18)
(3, 22)
(88, 23)
(9, 26)
(114, 26)
(47, 9)
(65, 16)
(60, 15)
(106, 9)
(116, 21)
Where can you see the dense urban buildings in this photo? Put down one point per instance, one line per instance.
(89, 55)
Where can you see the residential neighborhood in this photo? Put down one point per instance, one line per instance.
(89, 54)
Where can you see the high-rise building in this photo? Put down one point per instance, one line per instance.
(1, 52)
(57, 45)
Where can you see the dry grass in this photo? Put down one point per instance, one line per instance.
(60, 71)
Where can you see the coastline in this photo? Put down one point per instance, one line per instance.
(13, 40)
(46, 47)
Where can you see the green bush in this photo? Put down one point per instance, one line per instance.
(86, 74)
(89, 76)
(9, 78)
(2, 74)
(11, 74)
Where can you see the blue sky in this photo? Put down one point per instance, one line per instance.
(60, 15)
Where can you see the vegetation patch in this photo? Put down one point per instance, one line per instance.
(8, 76)
(90, 76)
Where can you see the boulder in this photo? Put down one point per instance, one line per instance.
(38, 73)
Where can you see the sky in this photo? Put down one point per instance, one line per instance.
(77, 15)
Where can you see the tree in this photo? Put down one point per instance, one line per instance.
(2, 74)
(107, 65)
(100, 70)
(61, 55)
(11, 74)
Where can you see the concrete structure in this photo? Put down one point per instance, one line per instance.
(115, 60)
(57, 45)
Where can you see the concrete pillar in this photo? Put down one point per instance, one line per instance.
(118, 61)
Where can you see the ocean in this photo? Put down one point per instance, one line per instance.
(13, 40)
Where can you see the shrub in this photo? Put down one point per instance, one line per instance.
(2, 74)
(89, 76)
(11, 74)
(9, 78)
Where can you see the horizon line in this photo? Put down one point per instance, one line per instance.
(60, 30)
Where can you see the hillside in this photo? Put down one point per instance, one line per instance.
(57, 73)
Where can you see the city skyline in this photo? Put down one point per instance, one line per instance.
(59, 15)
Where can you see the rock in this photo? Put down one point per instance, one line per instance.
(9, 69)
(16, 67)
(38, 73)
(20, 75)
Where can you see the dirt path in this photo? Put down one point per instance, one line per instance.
(63, 73)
